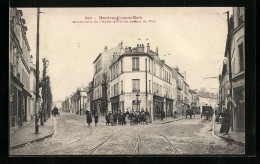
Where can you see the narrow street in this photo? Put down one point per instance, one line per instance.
(73, 137)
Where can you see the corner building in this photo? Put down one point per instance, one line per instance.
(140, 81)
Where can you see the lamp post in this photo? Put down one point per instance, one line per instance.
(137, 96)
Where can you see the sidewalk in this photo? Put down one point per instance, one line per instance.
(26, 134)
(232, 137)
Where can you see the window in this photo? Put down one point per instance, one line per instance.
(135, 64)
(122, 106)
(169, 78)
(112, 91)
(160, 72)
(154, 69)
(121, 66)
(241, 57)
(149, 86)
(240, 15)
(149, 65)
(136, 85)
(122, 86)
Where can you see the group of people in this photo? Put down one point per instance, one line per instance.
(120, 118)
(89, 117)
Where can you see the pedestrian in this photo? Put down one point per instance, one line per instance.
(226, 122)
(119, 118)
(111, 119)
(147, 116)
(115, 118)
(107, 119)
(162, 115)
(89, 118)
(123, 118)
(96, 118)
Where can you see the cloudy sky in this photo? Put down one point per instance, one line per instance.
(194, 38)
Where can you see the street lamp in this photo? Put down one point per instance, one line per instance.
(137, 95)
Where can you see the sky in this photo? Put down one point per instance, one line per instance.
(191, 38)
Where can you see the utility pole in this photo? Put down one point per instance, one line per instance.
(230, 71)
(146, 95)
(37, 74)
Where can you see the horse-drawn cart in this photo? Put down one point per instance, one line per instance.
(207, 111)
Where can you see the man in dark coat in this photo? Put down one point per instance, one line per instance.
(162, 115)
(89, 118)
(147, 116)
(115, 118)
(226, 122)
(123, 118)
(96, 118)
(107, 119)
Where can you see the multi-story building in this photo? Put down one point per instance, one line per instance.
(193, 99)
(235, 59)
(140, 81)
(19, 59)
(66, 105)
(83, 100)
(237, 50)
(175, 89)
(181, 106)
(90, 96)
(101, 77)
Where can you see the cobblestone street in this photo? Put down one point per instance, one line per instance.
(73, 137)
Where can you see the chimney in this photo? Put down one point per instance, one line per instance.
(140, 48)
(105, 49)
(126, 49)
(129, 49)
(31, 59)
(148, 48)
(184, 75)
(157, 50)
(177, 68)
(120, 45)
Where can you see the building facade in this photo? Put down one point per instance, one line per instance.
(234, 85)
(19, 60)
(101, 78)
(238, 67)
(140, 81)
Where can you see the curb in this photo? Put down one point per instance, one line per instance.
(233, 141)
(36, 140)
(170, 121)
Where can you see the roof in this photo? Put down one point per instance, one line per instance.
(97, 58)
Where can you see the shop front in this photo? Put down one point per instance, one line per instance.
(15, 99)
(97, 106)
(169, 107)
(239, 98)
(114, 104)
(157, 107)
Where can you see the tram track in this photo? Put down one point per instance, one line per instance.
(91, 151)
(171, 144)
(65, 146)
